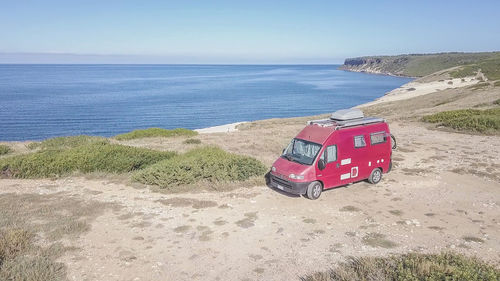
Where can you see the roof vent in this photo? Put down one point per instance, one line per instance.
(347, 114)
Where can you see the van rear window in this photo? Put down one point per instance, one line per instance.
(378, 137)
(359, 141)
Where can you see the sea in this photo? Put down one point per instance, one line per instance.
(43, 101)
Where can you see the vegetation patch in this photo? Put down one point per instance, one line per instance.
(61, 143)
(473, 239)
(490, 67)
(377, 240)
(4, 149)
(192, 141)
(444, 266)
(349, 209)
(156, 132)
(205, 164)
(483, 121)
(62, 156)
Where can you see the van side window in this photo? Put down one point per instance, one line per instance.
(331, 153)
(378, 137)
(359, 141)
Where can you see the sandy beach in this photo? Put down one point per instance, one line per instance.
(220, 129)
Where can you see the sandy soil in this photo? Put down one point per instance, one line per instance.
(418, 88)
(443, 194)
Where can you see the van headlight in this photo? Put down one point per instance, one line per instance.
(296, 177)
(273, 169)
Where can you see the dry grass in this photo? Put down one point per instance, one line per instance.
(31, 225)
(444, 266)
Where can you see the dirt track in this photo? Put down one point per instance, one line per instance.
(443, 194)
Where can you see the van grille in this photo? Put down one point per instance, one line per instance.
(281, 182)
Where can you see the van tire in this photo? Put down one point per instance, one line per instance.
(375, 176)
(314, 190)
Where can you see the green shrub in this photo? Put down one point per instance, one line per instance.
(444, 266)
(192, 141)
(4, 149)
(497, 102)
(67, 142)
(85, 158)
(482, 121)
(156, 132)
(465, 71)
(210, 164)
(489, 67)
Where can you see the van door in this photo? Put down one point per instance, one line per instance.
(330, 175)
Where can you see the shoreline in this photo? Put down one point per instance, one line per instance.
(377, 73)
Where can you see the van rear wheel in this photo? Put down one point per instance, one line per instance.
(314, 190)
(375, 176)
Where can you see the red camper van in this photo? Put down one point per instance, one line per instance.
(345, 148)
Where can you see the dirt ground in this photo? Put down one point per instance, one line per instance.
(443, 194)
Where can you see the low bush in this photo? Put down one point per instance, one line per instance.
(4, 149)
(67, 142)
(444, 266)
(497, 102)
(465, 71)
(483, 121)
(209, 164)
(78, 155)
(156, 132)
(192, 141)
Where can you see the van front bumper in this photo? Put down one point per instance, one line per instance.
(298, 188)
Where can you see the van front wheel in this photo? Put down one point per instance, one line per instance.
(375, 176)
(314, 190)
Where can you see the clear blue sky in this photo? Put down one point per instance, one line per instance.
(235, 31)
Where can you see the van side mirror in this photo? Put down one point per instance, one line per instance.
(321, 164)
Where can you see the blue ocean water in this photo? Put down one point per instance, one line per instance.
(41, 101)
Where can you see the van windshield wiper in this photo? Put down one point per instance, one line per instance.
(291, 158)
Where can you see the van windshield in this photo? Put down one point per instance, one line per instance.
(301, 151)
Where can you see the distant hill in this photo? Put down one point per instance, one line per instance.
(418, 65)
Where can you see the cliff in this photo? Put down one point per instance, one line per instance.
(414, 65)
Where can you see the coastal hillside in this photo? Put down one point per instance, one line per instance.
(418, 65)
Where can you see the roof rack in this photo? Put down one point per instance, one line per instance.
(346, 118)
(347, 123)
